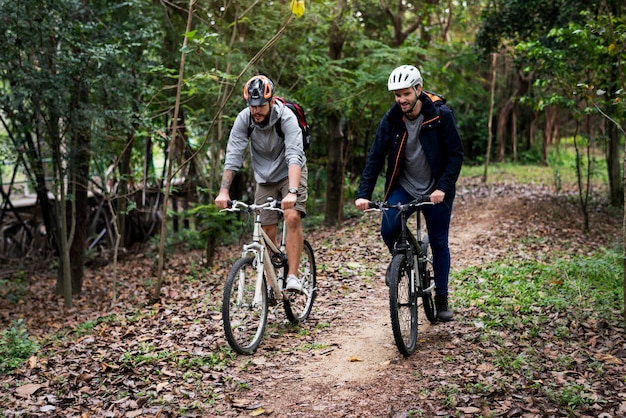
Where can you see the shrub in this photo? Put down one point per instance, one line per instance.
(15, 347)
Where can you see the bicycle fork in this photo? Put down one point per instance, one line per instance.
(262, 260)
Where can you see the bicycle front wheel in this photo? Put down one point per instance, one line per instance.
(298, 306)
(244, 317)
(426, 279)
(402, 306)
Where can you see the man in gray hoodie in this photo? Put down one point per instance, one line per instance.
(278, 162)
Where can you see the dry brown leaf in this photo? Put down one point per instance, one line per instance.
(32, 362)
(469, 410)
(29, 388)
(608, 358)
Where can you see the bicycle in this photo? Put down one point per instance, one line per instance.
(257, 280)
(410, 276)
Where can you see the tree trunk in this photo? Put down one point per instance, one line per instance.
(170, 154)
(80, 213)
(35, 167)
(123, 192)
(624, 232)
(616, 192)
(335, 165)
(503, 119)
(494, 60)
(514, 133)
(334, 184)
(398, 19)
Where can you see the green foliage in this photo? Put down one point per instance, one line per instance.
(559, 172)
(16, 346)
(148, 354)
(212, 222)
(506, 22)
(211, 225)
(519, 292)
(574, 66)
(128, 55)
(14, 289)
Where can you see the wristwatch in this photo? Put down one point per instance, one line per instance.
(293, 190)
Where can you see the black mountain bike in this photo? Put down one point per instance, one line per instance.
(410, 276)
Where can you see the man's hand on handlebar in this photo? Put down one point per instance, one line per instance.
(289, 201)
(437, 196)
(222, 199)
(362, 204)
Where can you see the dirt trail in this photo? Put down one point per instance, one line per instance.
(355, 376)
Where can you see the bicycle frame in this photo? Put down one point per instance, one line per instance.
(256, 281)
(408, 243)
(416, 254)
(408, 276)
(261, 242)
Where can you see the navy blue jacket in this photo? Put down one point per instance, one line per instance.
(440, 140)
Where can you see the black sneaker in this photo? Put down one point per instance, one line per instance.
(443, 312)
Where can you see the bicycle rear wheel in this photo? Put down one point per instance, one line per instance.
(402, 306)
(426, 279)
(298, 306)
(244, 319)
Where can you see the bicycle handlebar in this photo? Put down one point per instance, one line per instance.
(237, 205)
(417, 202)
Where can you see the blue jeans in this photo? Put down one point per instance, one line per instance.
(438, 226)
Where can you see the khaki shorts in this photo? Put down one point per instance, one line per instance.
(277, 191)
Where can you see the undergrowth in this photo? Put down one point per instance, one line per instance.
(513, 291)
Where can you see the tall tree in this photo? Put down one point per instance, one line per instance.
(53, 62)
(335, 166)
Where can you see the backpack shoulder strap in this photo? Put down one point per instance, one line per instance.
(278, 125)
(279, 129)
(250, 125)
(437, 99)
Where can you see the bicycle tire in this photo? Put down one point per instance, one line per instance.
(298, 306)
(402, 306)
(244, 321)
(426, 278)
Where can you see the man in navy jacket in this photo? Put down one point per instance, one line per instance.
(419, 140)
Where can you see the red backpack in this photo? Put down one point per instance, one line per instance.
(297, 109)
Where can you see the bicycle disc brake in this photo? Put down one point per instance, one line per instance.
(279, 260)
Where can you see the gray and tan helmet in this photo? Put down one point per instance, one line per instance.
(404, 77)
(258, 90)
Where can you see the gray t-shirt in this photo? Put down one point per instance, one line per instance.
(415, 175)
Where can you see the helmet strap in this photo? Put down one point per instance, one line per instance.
(417, 99)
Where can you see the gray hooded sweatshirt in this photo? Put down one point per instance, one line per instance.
(271, 156)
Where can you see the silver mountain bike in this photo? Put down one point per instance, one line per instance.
(257, 281)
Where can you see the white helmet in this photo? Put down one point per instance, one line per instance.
(403, 77)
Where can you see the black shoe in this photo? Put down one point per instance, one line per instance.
(443, 313)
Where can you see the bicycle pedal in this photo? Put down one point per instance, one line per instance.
(291, 294)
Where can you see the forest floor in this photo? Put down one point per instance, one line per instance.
(170, 359)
